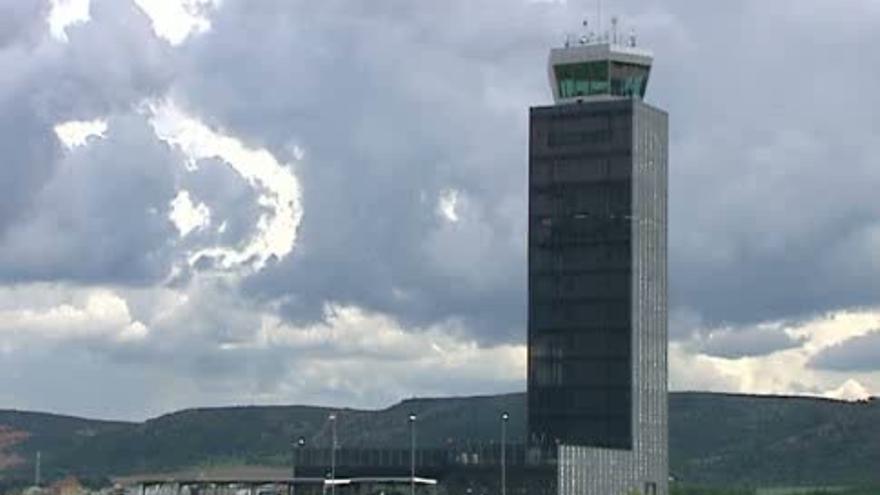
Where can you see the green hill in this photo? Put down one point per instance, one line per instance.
(715, 439)
(774, 440)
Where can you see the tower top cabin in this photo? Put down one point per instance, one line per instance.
(599, 68)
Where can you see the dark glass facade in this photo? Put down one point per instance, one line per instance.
(596, 209)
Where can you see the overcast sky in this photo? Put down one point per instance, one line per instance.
(212, 202)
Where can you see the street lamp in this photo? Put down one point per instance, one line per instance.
(298, 445)
(412, 454)
(504, 418)
(333, 454)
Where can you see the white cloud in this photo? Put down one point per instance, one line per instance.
(447, 205)
(176, 20)
(352, 331)
(376, 360)
(64, 13)
(835, 328)
(850, 390)
(98, 313)
(354, 357)
(77, 133)
(277, 186)
(188, 216)
(786, 371)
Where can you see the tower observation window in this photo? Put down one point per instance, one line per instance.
(583, 79)
(628, 80)
(602, 78)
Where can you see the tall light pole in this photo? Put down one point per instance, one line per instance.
(297, 446)
(412, 454)
(504, 418)
(333, 454)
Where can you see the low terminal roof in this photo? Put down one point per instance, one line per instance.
(267, 480)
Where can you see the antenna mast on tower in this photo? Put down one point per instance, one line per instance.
(614, 30)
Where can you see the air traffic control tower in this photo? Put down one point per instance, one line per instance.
(597, 390)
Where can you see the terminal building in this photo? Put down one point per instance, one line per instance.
(597, 272)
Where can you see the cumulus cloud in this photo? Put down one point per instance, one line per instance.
(758, 340)
(102, 217)
(78, 132)
(177, 20)
(767, 204)
(390, 161)
(850, 390)
(772, 235)
(22, 22)
(65, 13)
(215, 349)
(101, 314)
(186, 215)
(107, 65)
(307, 199)
(232, 202)
(279, 188)
(790, 370)
(447, 205)
(860, 353)
(431, 361)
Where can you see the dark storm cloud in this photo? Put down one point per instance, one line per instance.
(396, 103)
(103, 217)
(856, 354)
(748, 342)
(232, 203)
(110, 64)
(772, 174)
(91, 214)
(26, 138)
(393, 106)
(30, 152)
(20, 22)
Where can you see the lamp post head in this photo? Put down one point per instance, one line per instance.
(412, 417)
(301, 441)
(505, 416)
(332, 417)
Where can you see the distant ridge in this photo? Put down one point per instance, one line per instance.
(715, 438)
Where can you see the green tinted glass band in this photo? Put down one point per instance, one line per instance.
(602, 77)
(583, 79)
